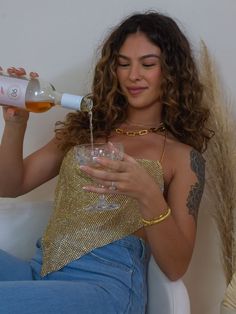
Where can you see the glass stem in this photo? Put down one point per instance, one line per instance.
(102, 197)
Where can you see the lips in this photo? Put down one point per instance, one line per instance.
(136, 90)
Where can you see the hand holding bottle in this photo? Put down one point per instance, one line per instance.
(11, 113)
(34, 95)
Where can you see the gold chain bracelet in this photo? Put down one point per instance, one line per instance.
(161, 217)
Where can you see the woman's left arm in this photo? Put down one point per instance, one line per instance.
(172, 240)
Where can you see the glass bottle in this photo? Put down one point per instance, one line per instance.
(36, 95)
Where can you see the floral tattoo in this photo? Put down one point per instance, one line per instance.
(195, 194)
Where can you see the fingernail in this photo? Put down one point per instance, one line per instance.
(33, 74)
(22, 70)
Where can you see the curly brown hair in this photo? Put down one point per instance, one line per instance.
(183, 113)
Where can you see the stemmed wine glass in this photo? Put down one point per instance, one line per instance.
(86, 154)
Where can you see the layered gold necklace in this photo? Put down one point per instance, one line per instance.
(160, 128)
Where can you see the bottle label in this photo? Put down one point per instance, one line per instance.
(12, 91)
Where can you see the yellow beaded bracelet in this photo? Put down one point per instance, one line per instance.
(160, 218)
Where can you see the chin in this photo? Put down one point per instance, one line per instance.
(136, 101)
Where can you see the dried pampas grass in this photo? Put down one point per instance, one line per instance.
(230, 296)
(221, 162)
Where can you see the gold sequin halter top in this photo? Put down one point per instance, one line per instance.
(72, 231)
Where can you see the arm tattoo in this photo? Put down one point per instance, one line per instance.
(195, 194)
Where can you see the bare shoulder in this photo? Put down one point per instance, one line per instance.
(54, 145)
(182, 158)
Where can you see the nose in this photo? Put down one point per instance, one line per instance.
(135, 73)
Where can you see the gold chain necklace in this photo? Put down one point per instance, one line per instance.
(161, 128)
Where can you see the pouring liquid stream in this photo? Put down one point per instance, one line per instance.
(90, 113)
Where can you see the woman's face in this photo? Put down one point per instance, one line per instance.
(139, 71)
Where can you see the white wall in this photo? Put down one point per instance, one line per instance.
(59, 38)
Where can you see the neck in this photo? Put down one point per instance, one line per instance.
(146, 118)
(143, 124)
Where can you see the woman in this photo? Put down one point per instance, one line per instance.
(147, 95)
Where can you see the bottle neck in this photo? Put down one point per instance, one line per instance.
(71, 101)
(76, 102)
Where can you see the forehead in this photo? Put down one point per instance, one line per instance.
(138, 44)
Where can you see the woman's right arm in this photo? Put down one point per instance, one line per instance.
(17, 175)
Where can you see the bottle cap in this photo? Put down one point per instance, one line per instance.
(71, 101)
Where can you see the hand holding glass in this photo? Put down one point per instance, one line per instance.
(86, 154)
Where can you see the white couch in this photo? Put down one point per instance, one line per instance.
(21, 224)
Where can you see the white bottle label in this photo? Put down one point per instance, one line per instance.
(12, 91)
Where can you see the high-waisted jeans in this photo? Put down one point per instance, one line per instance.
(108, 280)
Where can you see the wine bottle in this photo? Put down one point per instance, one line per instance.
(36, 95)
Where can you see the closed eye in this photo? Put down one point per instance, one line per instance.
(149, 65)
(123, 64)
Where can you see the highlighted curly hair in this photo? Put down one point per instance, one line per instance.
(183, 113)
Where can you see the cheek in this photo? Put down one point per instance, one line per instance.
(121, 77)
(156, 79)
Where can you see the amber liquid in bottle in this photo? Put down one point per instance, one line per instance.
(38, 107)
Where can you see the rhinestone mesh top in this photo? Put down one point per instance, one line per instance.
(72, 231)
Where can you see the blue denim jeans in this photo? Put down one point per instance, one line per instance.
(108, 280)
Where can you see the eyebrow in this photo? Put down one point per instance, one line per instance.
(151, 55)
